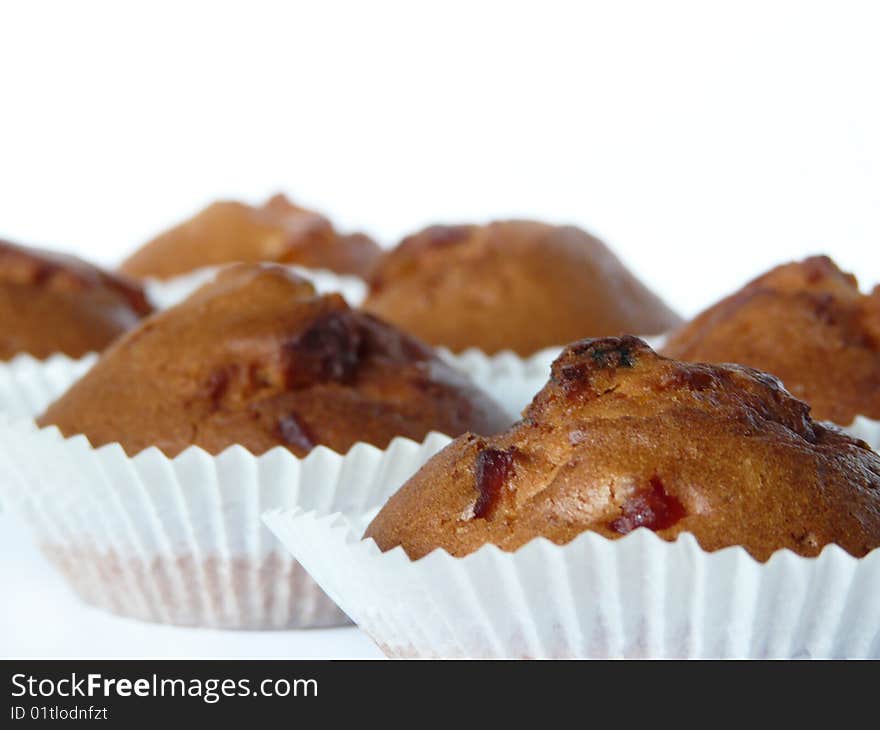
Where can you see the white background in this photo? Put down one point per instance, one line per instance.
(704, 141)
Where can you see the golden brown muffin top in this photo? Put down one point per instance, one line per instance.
(621, 438)
(50, 302)
(518, 285)
(229, 232)
(257, 358)
(808, 324)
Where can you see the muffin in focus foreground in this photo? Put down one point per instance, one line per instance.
(517, 285)
(256, 358)
(231, 232)
(622, 438)
(809, 325)
(51, 303)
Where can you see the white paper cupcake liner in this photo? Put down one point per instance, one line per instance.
(512, 381)
(635, 597)
(28, 385)
(164, 293)
(180, 540)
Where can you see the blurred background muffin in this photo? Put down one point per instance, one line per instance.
(256, 358)
(807, 323)
(621, 438)
(517, 285)
(51, 303)
(229, 231)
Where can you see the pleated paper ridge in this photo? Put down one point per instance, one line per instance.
(638, 596)
(29, 385)
(181, 540)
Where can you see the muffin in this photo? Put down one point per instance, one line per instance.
(229, 232)
(52, 303)
(808, 324)
(511, 285)
(622, 438)
(256, 358)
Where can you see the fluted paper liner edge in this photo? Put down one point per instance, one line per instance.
(180, 540)
(638, 596)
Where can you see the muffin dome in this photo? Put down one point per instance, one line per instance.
(808, 324)
(517, 285)
(229, 232)
(621, 438)
(51, 303)
(257, 358)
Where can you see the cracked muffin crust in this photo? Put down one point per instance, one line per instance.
(230, 232)
(51, 303)
(517, 285)
(621, 438)
(808, 324)
(256, 358)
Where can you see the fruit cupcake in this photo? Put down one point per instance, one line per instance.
(808, 324)
(145, 481)
(232, 232)
(51, 303)
(511, 285)
(643, 507)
